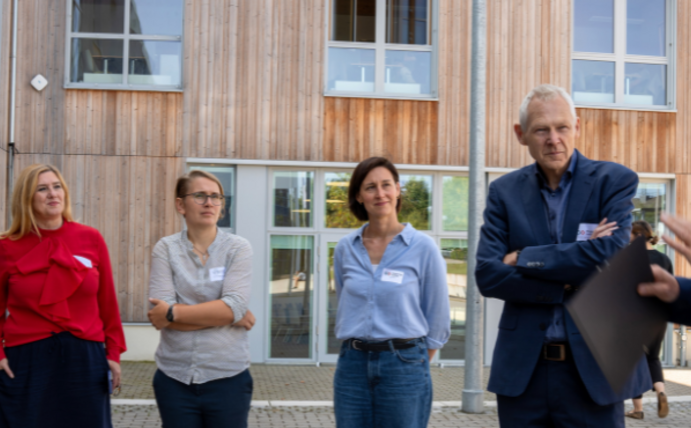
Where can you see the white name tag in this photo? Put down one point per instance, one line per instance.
(86, 262)
(585, 231)
(217, 274)
(392, 276)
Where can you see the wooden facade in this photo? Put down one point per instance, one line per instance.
(253, 78)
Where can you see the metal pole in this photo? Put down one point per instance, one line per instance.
(473, 394)
(13, 106)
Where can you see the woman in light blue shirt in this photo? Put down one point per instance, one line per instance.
(393, 308)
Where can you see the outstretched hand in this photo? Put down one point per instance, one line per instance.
(682, 229)
(665, 287)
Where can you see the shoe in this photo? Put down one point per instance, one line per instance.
(634, 415)
(662, 406)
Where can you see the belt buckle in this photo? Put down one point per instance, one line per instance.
(562, 352)
(354, 344)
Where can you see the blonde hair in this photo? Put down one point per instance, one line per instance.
(23, 219)
(185, 181)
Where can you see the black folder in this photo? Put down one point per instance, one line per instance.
(617, 324)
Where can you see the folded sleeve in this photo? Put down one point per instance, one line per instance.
(237, 284)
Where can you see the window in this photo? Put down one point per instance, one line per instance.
(381, 48)
(651, 201)
(124, 44)
(292, 198)
(623, 53)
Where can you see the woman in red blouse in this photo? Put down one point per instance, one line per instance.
(58, 297)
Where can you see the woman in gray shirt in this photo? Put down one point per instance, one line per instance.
(199, 289)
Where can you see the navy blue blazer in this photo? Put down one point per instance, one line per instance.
(515, 219)
(681, 308)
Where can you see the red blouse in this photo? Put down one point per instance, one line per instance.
(59, 282)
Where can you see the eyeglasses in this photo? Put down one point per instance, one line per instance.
(200, 198)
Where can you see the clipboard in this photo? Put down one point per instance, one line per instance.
(619, 325)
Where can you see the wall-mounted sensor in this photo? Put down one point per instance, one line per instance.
(39, 82)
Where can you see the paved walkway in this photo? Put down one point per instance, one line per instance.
(282, 395)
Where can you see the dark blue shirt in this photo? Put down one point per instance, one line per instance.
(555, 207)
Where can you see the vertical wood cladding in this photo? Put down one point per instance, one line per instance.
(529, 43)
(130, 200)
(683, 210)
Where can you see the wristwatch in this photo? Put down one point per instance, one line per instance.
(169, 314)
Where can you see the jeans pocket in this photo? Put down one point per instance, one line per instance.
(411, 355)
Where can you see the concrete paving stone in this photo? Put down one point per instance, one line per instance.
(322, 417)
(311, 383)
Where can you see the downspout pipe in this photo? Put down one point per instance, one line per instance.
(13, 105)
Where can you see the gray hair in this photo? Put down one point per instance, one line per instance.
(543, 92)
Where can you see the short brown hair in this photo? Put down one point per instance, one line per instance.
(359, 175)
(643, 228)
(23, 219)
(185, 181)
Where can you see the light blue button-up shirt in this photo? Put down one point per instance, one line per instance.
(405, 297)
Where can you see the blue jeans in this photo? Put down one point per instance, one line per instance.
(383, 389)
(217, 403)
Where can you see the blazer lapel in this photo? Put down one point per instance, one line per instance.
(535, 208)
(581, 188)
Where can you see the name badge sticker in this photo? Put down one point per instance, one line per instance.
(392, 276)
(86, 262)
(217, 274)
(585, 231)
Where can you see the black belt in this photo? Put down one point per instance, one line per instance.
(361, 345)
(555, 351)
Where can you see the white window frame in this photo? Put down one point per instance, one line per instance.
(125, 37)
(380, 48)
(620, 58)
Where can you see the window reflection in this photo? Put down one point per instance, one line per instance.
(333, 345)
(155, 63)
(293, 198)
(98, 16)
(408, 72)
(351, 70)
(455, 253)
(645, 84)
(416, 201)
(593, 81)
(354, 20)
(455, 203)
(338, 214)
(96, 61)
(650, 201)
(593, 26)
(156, 17)
(645, 27)
(291, 296)
(407, 22)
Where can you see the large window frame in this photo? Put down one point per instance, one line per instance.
(620, 58)
(318, 229)
(380, 47)
(126, 37)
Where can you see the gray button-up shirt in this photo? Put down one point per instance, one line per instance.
(177, 276)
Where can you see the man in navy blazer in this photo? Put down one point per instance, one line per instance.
(546, 229)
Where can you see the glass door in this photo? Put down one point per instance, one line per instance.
(327, 344)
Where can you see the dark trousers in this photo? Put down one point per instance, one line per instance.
(557, 398)
(59, 382)
(221, 403)
(654, 364)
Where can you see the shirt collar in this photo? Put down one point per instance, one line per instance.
(406, 234)
(567, 175)
(188, 244)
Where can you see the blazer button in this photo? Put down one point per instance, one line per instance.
(543, 326)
